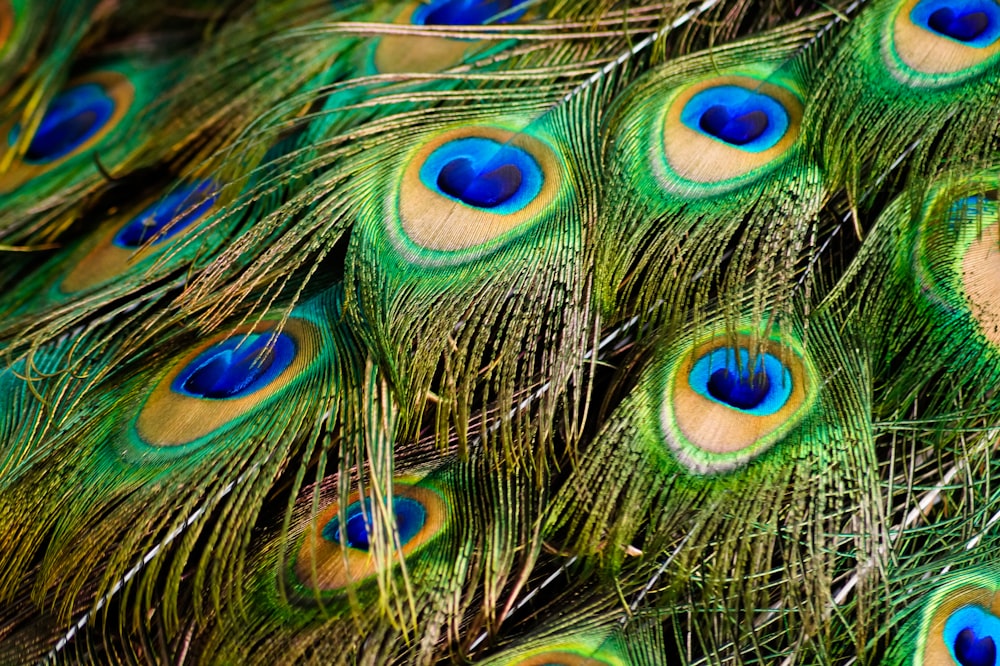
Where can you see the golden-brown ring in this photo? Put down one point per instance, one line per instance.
(935, 651)
(717, 428)
(928, 53)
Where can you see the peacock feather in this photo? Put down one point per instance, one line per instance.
(697, 146)
(48, 165)
(913, 60)
(512, 332)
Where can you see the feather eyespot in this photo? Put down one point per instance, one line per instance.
(722, 130)
(419, 513)
(167, 217)
(956, 260)
(431, 53)
(409, 515)
(235, 367)
(75, 121)
(122, 245)
(484, 174)
(960, 622)
(980, 266)
(975, 23)
(740, 117)
(943, 41)
(723, 406)
(223, 380)
(72, 117)
(472, 186)
(729, 377)
(468, 12)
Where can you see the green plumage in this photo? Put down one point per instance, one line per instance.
(488, 336)
(500, 332)
(926, 278)
(128, 452)
(725, 493)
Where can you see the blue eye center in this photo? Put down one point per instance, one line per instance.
(73, 117)
(973, 650)
(974, 23)
(963, 27)
(742, 389)
(970, 633)
(236, 367)
(733, 126)
(760, 386)
(409, 514)
(746, 119)
(167, 217)
(460, 179)
(469, 12)
(484, 174)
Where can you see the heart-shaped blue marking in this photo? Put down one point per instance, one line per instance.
(732, 125)
(963, 27)
(484, 174)
(741, 118)
(971, 633)
(760, 387)
(469, 12)
(460, 179)
(973, 23)
(742, 389)
(973, 650)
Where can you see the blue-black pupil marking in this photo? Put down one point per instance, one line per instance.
(460, 179)
(230, 371)
(970, 650)
(473, 12)
(73, 117)
(174, 213)
(742, 389)
(410, 517)
(733, 126)
(964, 27)
(233, 369)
